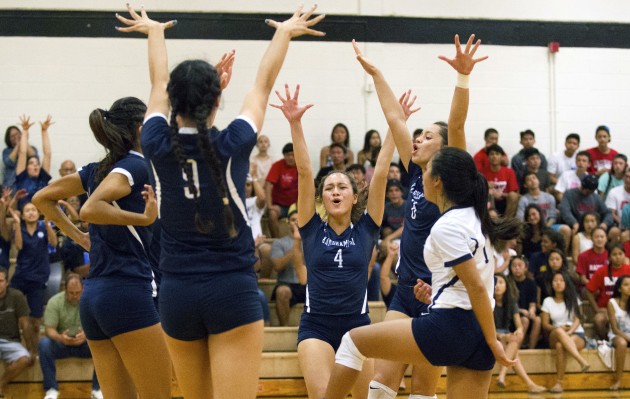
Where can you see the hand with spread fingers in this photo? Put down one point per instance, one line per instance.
(406, 102)
(224, 68)
(141, 23)
(464, 61)
(299, 24)
(290, 108)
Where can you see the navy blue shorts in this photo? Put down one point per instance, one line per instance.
(404, 301)
(298, 293)
(329, 329)
(195, 306)
(34, 292)
(113, 306)
(452, 337)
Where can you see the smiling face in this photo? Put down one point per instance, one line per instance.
(30, 214)
(338, 196)
(533, 216)
(546, 244)
(426, 145)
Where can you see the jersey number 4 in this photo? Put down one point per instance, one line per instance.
(339, 258)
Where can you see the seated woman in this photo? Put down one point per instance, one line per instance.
(619, 325)
(339, 135)
(560, 320)
(509, 329)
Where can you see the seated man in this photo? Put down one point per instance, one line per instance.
(281, 187)
(563, 160)
(502, 184)
(288, 291)
(64, 336)
(14, 313)
(570, 179)
(578, 201)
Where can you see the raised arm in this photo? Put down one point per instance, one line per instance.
(378, 184)
(23, 144)
(255, 102)
(5, 230)
(46, 143)
(47, 201)
(158, 60)
(17, 237)
(394, 114)
(463, 63)
(306, 190)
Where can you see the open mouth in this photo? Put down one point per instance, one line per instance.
(336, 201)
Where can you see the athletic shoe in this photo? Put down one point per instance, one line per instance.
(52, 393)
(97, 394)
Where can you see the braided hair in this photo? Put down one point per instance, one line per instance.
(193, 89)
(117, 131)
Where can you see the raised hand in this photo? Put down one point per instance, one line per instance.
(406, 102)
(464, 61)
(46, 123)
(299, 24)
(25, 122)
(290, 108)
(141, 23)
(367, 65)
(19, 194)
(15, 215)
(6, 196)
(150, 203)
(224, 68)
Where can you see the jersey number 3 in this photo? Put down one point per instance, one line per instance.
(339, 258)
(195, 176)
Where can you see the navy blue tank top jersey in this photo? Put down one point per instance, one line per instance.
(338, 266)
(420, 216)
(185, 250)
(32, 260)
(120, 251)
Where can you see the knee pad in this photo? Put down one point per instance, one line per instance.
(348, 355)
(380, 391)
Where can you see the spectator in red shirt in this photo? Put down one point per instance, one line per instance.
(602, 155)
(490, 136)
(591, 260)
(281, 188)
(602, 283)
(502, 183)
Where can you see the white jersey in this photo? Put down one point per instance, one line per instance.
(254, 214)
(568, 180)
(455, 238)
(559, 163)
(617, 198)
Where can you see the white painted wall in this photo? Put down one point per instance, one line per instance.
(70, 77)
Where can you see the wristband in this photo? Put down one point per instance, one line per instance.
(463, 81)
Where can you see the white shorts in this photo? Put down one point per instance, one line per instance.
(11, 351)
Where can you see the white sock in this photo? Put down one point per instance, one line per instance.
(348, 354)
(380, 391)
(416, 396)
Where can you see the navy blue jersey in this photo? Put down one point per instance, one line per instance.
(120, 250)
(420, 216)
(5, 248)
(338, 266)
(185, 250)
(32, 259)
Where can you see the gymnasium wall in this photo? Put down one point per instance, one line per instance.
(67, 74)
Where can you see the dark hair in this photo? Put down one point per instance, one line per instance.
(117, 131)
(622, 156)
(509, 300)
(488, 132)
(553, 236)
(584, 154)
(356, 166)
(193, 89)
(3, 270)
(367, 138)
(417, 133)
(464, 186)
(572, 136)
(610, 248)
(530, 152)
(570, 293)
(443, 132)
(494, 148)
(359, 207)
(7, 135)
(616, 289)
(584, 215)
(337, 145)
(527, 132)
(346, 142)
(604, 128)
(541, 222)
